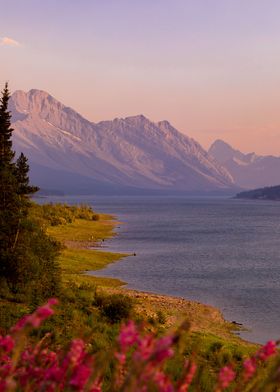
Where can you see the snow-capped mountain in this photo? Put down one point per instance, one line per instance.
(66, 149)
(248, 170)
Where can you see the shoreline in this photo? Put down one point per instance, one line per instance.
(83, 253)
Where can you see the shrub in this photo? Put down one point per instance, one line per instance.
(60, 214)
(161, 317)
(114, 307)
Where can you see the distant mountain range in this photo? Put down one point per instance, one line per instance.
(71, 154)
(247, 170)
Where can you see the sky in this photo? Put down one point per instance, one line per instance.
(210, 67)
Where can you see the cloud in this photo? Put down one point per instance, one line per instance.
(6, 41)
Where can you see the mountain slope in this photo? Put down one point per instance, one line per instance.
(247, 170)
(130, 152)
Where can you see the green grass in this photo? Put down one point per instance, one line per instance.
(82, 230)
(77, 261)
(77, 257)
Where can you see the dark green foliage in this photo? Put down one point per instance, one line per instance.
(161, 317)
(114, 307)
(28, 267)
(6, 152)
(9, 199)
(10, 203)
(21, 174)
(268, 193)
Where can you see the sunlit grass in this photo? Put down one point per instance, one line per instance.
(77, 257)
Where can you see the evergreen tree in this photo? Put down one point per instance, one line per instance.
(9, 198)
(27, 254)
(6, 152)
(22, 170)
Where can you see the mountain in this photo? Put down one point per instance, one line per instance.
(247, 170)
(68, 152)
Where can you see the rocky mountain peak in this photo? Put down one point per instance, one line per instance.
(223, 152)
(131, 151)
(248, 170)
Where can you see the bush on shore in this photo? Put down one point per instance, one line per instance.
(60, 214)
(114, 307)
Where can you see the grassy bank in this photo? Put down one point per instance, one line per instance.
(77, 257)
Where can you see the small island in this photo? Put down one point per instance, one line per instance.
(267, 193)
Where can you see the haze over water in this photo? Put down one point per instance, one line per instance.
(222, 252)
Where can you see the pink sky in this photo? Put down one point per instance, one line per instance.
(212, 67)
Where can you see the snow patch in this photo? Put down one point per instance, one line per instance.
(64, 132)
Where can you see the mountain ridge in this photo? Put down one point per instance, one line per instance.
(131, 151)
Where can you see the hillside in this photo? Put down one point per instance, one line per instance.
(69, 152)
(267, 193)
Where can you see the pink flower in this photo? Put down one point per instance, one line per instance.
(128, 335)
(53, 301)
(96, 386)
(42, 313)
(20, 324)
(3, 385)
(145, 348)
(249, 366)
(7, 343)
(76, 353)
(35, 319)
(121, 358)
(267, 351)
(163, 349)
(188, 378)
(80, 377)
(163, 382)
(226, 376)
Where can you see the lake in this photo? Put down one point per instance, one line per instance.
(222, 252)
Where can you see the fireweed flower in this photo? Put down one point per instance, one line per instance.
(163, 382)
(37, 318)
(128, 336)
(267, 351)
(145, 348)
(191, 370)
(3, 385)
(7, 343)
(76, 353)
(80, 376)
(163, 349)
(37, 368)
(249, 366)
(226, 376)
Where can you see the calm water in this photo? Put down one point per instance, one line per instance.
(221, 252)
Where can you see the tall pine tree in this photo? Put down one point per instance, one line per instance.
(6, 152)
(27, 255)
(22, 170)
(9, 198)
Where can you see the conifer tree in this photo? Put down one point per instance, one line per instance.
(9, 198)
(6, 152)
(27, 254)
(21, 173)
